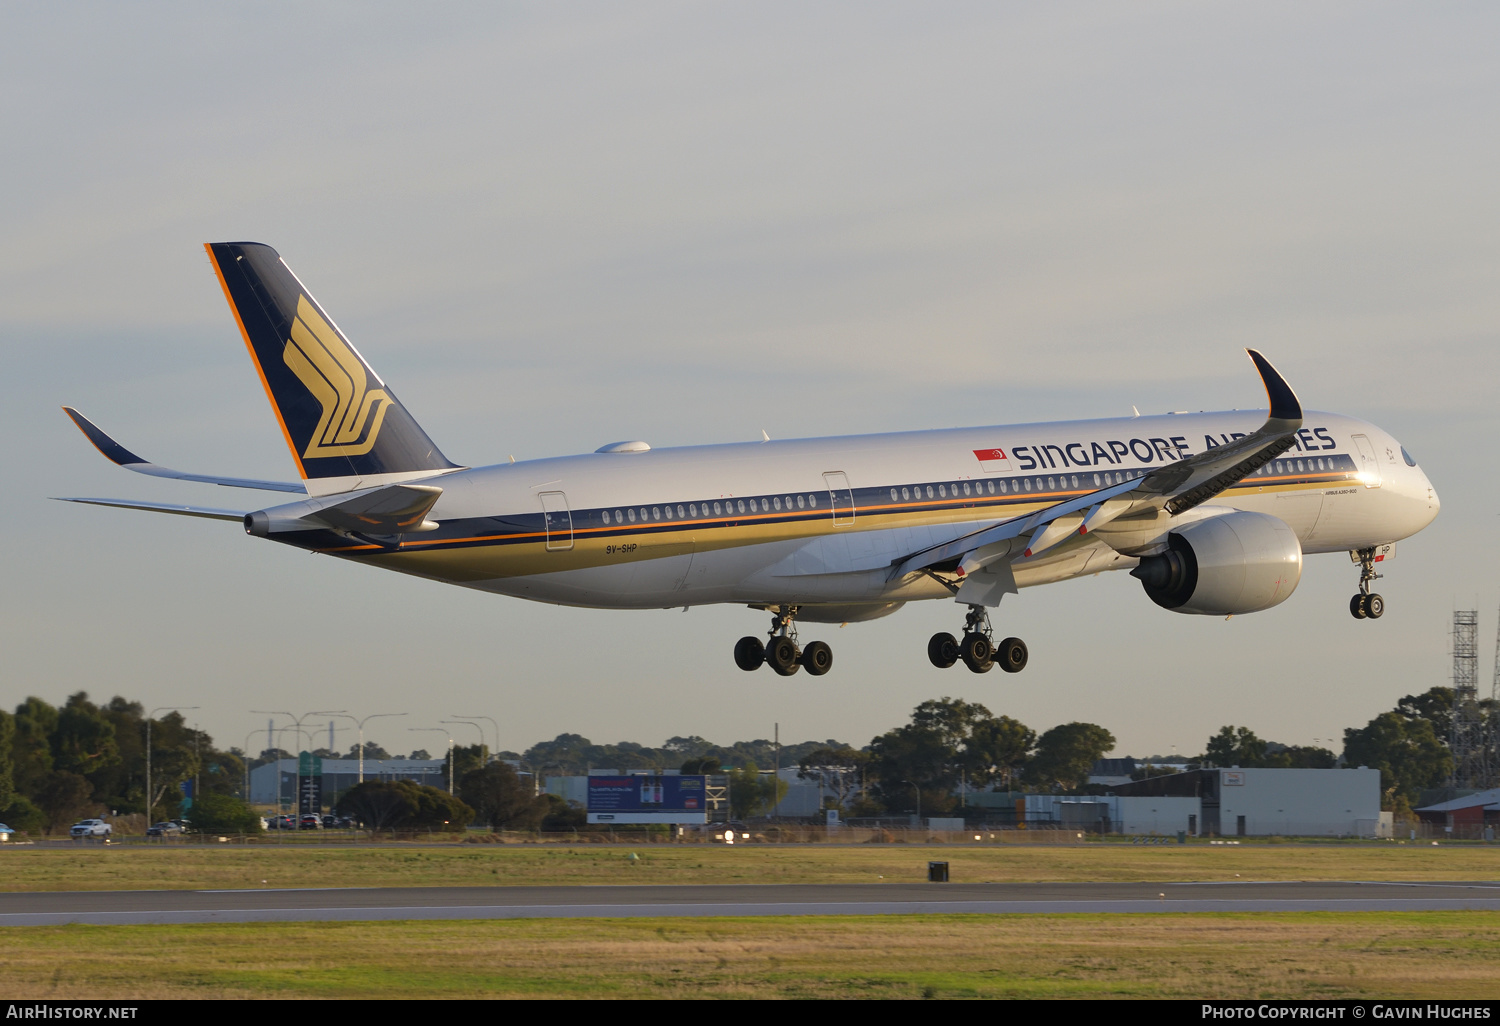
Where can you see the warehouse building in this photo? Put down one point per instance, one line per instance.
(1473, 816)
(276, 782)
(1227, 803)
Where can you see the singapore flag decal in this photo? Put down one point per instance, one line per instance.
(992, 461)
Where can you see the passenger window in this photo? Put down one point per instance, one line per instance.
(716, 509)
(929, 491)
(692, 509)
(606, 516)
(1300, 467)
(992, 487)
(788, 502)
(1075, 480)
(619, 517)
(799, 502)
(1002, 486)
(741, 504)
(655, 513)
(812, 500)
(1051, 484)
(905, 493)
(632, 516)
(966, 488)
(942, 492)
(679, 513)
(752, 506)
(893, 495)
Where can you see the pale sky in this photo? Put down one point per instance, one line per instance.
(550, 226)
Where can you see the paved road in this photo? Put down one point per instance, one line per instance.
(347, 904)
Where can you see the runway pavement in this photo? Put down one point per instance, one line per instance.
(376, 903)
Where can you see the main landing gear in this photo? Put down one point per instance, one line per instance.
(977, 649)
(1365, 605)
(781, 652)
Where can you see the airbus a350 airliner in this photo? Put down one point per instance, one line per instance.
(1213, 512)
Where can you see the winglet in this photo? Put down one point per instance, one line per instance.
(1284, 404)
(112, 450)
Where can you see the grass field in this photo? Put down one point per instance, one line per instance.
(1252, 956)
(136, 868)
(1203, 955)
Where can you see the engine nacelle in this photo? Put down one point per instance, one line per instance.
(1235, 563)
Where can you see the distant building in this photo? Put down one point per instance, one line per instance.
(276, 782)
(1110, 772)
(1468, 816)
(1229, 803)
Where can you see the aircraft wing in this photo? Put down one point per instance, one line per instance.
(1176, 488)
(118, 454)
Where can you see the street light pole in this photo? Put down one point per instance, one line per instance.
(477, 727)
(361, 724)
(493, 751)
(153, 712)
(297, 780)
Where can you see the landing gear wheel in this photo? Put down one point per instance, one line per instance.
(1374, 606)
(749, 653)
(976, 653)
(1011, 655)
(781, 655)
(1357, 607)
(818, 658)
(943, 650)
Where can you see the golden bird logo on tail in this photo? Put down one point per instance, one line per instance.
(336, 376)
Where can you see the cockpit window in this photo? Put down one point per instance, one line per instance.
(1407, 457)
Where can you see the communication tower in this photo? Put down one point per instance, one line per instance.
(1467, 741)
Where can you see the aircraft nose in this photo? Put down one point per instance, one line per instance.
(1425, 498)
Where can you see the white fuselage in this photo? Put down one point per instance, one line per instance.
(674, 527)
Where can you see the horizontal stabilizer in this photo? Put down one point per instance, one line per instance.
(118, 454)
(394, 509)
(162, 507)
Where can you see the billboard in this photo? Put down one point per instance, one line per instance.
(644, 799)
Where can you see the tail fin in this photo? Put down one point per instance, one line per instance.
(345, 427)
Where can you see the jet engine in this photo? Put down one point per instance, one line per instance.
(1233, 563)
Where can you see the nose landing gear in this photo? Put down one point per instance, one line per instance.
(781, 652)
(978, 649)
(1366, 605)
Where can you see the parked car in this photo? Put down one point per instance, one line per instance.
(164, 829)
(311, 821)
(281, 823)
(5, 833)
(90, 828)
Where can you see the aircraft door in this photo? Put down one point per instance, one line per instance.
(558, 520)
(840, 497)
(1369, 467)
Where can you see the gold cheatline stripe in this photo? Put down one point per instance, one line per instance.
(866, 510)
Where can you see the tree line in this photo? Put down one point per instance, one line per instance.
(59, 764)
